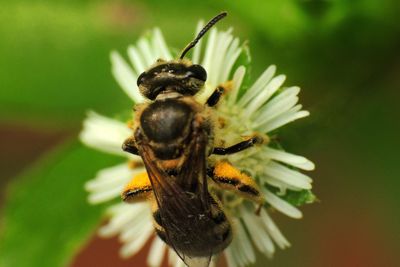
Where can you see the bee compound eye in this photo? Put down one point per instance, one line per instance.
(141, 78)
(198, 72)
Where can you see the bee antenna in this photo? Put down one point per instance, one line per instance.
(211, 23)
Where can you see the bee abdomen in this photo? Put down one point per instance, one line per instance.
(219, 218)
(222, 228)
(161, 234)
(218, 232)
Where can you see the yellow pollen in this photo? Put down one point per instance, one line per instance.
(139, 181)
(225, 169)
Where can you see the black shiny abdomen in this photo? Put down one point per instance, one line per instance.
(166, 121)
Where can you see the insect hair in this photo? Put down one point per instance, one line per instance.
(205, 29)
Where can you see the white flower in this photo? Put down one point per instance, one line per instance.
(263, 107)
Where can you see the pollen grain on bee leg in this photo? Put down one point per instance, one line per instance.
(138, 189)
(231, 178)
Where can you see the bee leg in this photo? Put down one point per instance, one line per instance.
(239, 146)
(138, 189)
(130, 146)
(215, 96)
(158, 224)
(218, 92)
(225, 175)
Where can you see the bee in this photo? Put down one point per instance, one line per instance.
(173, 134)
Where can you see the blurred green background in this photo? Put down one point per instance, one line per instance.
(54, 66)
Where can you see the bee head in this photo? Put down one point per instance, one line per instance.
(178, 76)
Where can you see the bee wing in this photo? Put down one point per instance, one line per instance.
(192, 176)
(183, 202)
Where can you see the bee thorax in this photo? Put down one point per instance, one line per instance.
(168, 94)
(166, 120)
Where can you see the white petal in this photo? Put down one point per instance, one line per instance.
(223, 41)
(257, 232)
(112, 177)
(104, 134)
(172, 257)
(273, 230)
(110, 182)
(135, 244)
(147, 53)
(125, 77)
(264, 95)
(230, 257)
(220, 55)
(237, 82)
(288, 158)
(278, 105)
(136, 59)
(235, 253)
(288, 176)
(197, 262)
(258, 86)
(203, 95)
(282, 186)
(103, 196)
(209, 52)
(281, 205)
(285, 93)
(245, 245)
(231, 57)
(122, 215)
(131, 231)
(289, 116)
(160, 46)
(156, 253)
(107, 174)
(179, 263)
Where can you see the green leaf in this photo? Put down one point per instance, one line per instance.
(46, 218)
(299, 198)
(296, 198)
